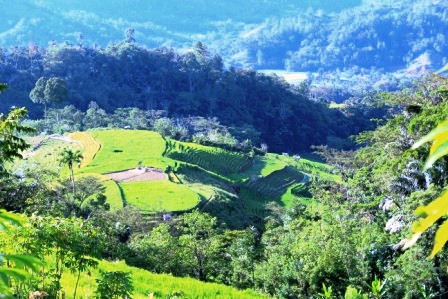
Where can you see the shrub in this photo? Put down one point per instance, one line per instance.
(114, 285)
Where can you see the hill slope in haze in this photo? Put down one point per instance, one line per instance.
(305, 36)
(156, 22)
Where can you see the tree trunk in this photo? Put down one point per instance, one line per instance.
(77, 282)
(45, 115)
(72, 178)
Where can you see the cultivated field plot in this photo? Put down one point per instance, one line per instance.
(126, 149)
(263, 166)
(154, 196)
(274, 187)
(113, 195)
(133, 162)
(276, 183)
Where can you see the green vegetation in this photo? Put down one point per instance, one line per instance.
(276, 183)
(44, 152)
(153, 196)
(262, 166)
(113, 194)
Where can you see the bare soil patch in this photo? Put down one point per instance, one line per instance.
(138, 175)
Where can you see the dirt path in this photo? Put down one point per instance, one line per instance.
(138, 175)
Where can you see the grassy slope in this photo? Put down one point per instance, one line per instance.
(217, 160)
(163, 286)
(261, 166)
(113, 195)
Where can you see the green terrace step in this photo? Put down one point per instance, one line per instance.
(276, 183)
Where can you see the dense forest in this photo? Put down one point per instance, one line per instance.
(194, 83)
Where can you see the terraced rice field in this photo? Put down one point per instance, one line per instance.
(125, 149)
(154, 196)
(88, 143)
(262, 166)
(214, 159)
(203, 170)
(121, 151)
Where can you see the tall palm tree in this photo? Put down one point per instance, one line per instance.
(69, 157)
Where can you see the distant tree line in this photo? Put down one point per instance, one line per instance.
(202, 130)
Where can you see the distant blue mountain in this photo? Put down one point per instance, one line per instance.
(306, 35)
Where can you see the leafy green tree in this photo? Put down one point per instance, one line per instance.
(49, 91)
(95, 116)
(13, 267)
(70, 157)
(158, 251)
(72, 243)
(198, 242)
(244, 254)
(10, 144)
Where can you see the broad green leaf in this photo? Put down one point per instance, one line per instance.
(19, 274)
(432, 212)
(442, 138)
(24, 261)
(7, 217)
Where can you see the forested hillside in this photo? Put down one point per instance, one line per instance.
(193, 83)
(379, 34)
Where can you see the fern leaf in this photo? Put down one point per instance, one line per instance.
(437, 151)
(440, 239)
(435, 134)
(431, 212)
